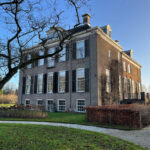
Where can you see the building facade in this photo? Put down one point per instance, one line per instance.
(91, 70)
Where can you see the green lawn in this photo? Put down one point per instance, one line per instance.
(36, 137)
(72, 118)
(6, 105)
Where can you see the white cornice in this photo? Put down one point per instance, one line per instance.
(108, 39)
(126, 57)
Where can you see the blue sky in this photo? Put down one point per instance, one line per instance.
(130, 22)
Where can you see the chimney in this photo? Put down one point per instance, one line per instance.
(86, 19)
(117, 41)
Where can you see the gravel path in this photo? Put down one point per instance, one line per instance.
(140, 137)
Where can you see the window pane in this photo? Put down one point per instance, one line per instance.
(61, 81)
(80, 80)
(80, 105)
(62, 105)
(29, 58)
(40, 83)
(50, 82)
(51, 60)
(40, 102)
(28, 84)
(27, 102)
(41, 61)
(62, 55)
(80, 49)
(108, 81)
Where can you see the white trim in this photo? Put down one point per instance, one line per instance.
(48, 82)
(77, 80)
(38, 100)
(25, 101)
(77, 105)
(42, 83)
(131, 61)
(46, 104)
(64, 81)
(58, 104)
(79, 41)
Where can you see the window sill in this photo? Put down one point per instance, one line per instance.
(50, 67)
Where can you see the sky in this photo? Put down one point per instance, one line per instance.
(130, 23)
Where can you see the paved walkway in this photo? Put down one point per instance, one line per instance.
(140, 137)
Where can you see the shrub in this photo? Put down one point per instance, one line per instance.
(22, 113)
(8, 99)
(133, 115)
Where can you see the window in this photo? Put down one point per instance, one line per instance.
(80, 105)
(29, 58)
(41, 61)
(51, 60)
(40, 103)
(40, 83)
(28, 84)
(50, 82)
(133, 87)
(62, 54)
(119, 57)
(61, 105)
(27, 102)
(50, 105)
(125, 88)
(80, 80)
(129, 68)
(61, 81)
(108, 82)
(80, 49)
(120, 87)
(109, 54)
(124, 66)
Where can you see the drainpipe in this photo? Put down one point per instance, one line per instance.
(90, 70)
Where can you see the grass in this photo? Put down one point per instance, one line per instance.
(72, 118)
(25, 137)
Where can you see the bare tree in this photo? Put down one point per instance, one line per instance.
(24, 23)
(115, 88)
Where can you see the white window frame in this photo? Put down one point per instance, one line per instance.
(41, 60)
(109, 54)
(77, 88)
(47, 103)
(124, 67)
(59, 81)
(50, 73)
(58, 105)
(77, 50)
(77, 105)
(25, 102)
(40, 100)
(38, 83)
(51, 59)
(61, 55)
(108, 81)
(119, 57)
(120, 86)
(29, 84)
(129, 68)
(29, 66)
